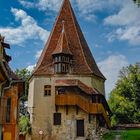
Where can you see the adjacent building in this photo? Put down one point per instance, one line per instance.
(66, 92)
(11, 89)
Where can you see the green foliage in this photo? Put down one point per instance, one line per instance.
(124, 100)
(124, 135)
(109, 136)
(131, 135)
(24, 125)
(25, 75)
(137, 2)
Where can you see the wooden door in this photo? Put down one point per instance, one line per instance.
(80, 128)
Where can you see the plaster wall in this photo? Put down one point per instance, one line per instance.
(41, 109)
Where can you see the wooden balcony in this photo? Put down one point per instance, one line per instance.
(84, 104)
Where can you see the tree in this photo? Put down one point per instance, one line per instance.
(25, 75)
(24, 125)
(124, 100)
(137, 2)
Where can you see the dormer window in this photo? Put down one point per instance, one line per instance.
(62, 54)
(62, 63)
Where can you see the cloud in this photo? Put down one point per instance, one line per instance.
(38, 54)
(27, 4)
(128, 15)
(43, 5)
(110, 68)
(29, 29)
(86, 8)
(127, 23)
(30, 68)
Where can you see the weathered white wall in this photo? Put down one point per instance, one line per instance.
(41, 109)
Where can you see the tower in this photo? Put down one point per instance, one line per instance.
(66, 92)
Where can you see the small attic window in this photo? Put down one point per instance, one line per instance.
(47, 90)
(62, 64)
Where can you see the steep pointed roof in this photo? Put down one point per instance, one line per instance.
(62, 45)
(84, 62)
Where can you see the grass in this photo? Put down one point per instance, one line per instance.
(125, 135)
(131, 135)
(109, 136)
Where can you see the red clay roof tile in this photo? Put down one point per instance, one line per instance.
(78, 83)
(84, 62)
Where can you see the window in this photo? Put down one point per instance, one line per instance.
(57, 119)
(8, 110)
(63, 67)
(67, 67)
(47, 90)
(94, 99)
(80, 128)
(55, 67)
(56, 59)
(63, 58)
(59, 68)
(62, 64)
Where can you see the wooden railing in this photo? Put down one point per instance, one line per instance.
(92, 108)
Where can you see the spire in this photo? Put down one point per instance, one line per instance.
(62, 44)
(71, 34)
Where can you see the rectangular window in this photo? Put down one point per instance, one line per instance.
(59, 68)
(94, 99)
(47, 90)
(55, 68)
(63, 68)
(8, 110)
(57, 119)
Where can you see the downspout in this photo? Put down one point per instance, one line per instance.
(12, 82)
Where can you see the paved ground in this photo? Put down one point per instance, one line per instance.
(117, 137)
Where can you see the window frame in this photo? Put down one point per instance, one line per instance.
(57, 118)
(47, 90)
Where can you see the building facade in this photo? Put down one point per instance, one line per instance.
(11, 89)
(66, 98)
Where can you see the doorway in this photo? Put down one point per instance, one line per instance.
(80, 128)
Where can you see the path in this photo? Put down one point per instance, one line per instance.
(118, 137)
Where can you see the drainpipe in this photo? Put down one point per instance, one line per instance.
(12, 82)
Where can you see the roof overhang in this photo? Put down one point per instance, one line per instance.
(77, 83)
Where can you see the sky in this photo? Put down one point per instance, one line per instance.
(111, 28)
